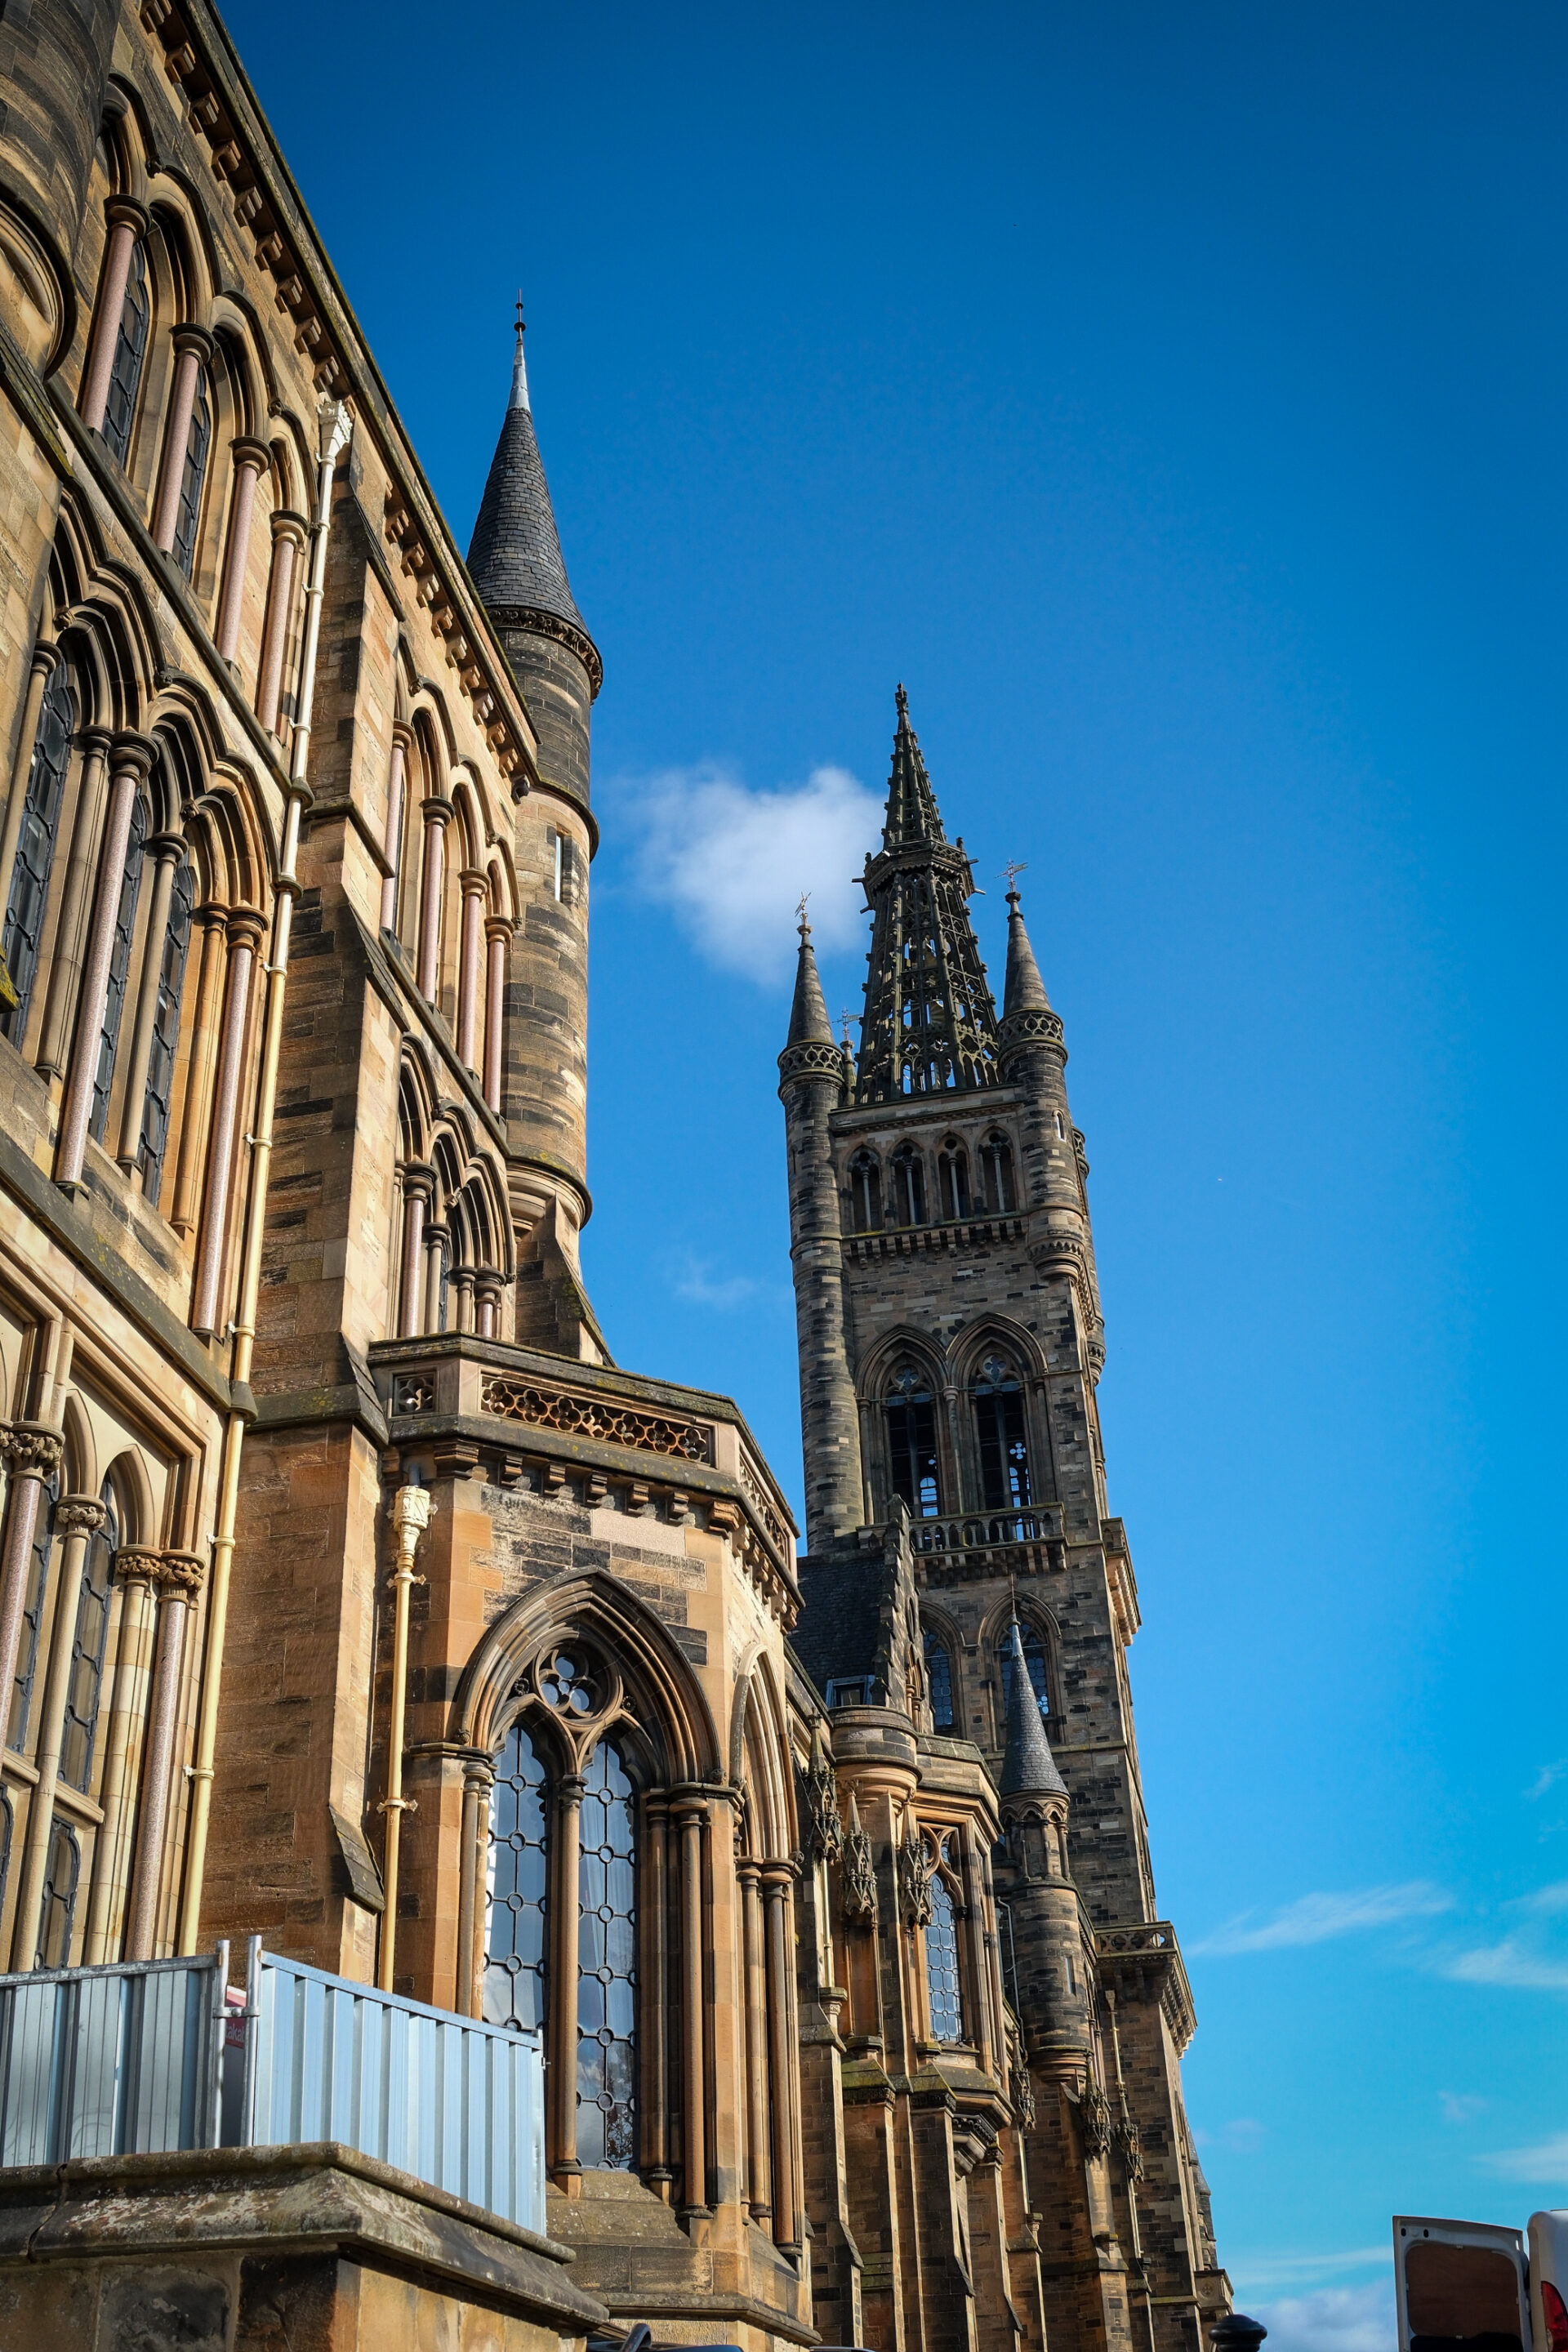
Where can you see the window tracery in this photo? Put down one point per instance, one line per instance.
(911, 1441)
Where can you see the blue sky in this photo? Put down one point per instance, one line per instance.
(1173, 398)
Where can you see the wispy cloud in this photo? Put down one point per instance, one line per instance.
(1512, 1963)
(1334, 2319)
(731, 862)
(1548, 2163)
(1546, 1901)
(1262, 2273)
(1548, 1778)
(694, 1278)
(1317, 1918)
(1460, 2107)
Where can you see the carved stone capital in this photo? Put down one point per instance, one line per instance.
(135, 1564)
(32, 1448)
(182, 1574)
(79, 1515)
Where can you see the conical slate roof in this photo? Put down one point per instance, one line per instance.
(1025, 990)
(808, 1020)
(514, 556)
(1028, 1767)
(913, 813)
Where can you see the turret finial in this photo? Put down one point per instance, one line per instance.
(519, 366)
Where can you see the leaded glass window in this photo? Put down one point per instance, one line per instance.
(1034, 1661)
(939, 1681)
(1004, 1448)
(942, 1984)
(166, 1033)
(911, 1442)
(86, 1686)
(60, 1876)
(36, 850)
(606, 1966)
(130, 350)
(517, 1890)
(33, 1615)
(119, 967)
(192, 476)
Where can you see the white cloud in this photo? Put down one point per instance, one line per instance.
(1549, 2162)
(1315, 1918)
(1334, 2319)
(695, 1279)
(1548, 1778)
(731, 862)
(1458, 2106)
(1547, 1900)
(1510, 1963)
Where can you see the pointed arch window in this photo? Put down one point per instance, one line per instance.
(29, 888)
(517, 1890)
(997, 1174)
(61, 1874)
(1004, 1446)
(907, 1187)
(1034, 1664)
(166, 1034)
(953, 1181)
(911, 1441)
(118, 969)
(606, 1966)
(939, 1681)
(192, 475)
(866, 1191)
(944, 1986)
(85, 1688)
(33, 1616)
(7, 1824)
(130, 350)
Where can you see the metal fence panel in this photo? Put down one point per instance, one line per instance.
(111, 2061)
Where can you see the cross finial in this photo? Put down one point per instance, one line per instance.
(801, 906)
(1011, 871)
(844, 1024)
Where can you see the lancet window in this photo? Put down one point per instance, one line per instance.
(939, 1681)
(953, 1179)
(61, 1874)
(997, 1174)
(85, 1688)
(1003, 1443)
(866, 1191)
(33, 1615)
(606, 1966)
(36, 851)
(911, 1441)
(118, 969)
(517, 1896)
(944, 1986)
(130, 350)
(193, 476)
(166, 1033)
(907, 1187)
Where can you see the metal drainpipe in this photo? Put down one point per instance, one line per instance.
(336, 426)
(410, 1515)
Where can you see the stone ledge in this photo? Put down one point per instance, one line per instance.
(324, 2198)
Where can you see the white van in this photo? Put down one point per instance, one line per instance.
(1472, 2286)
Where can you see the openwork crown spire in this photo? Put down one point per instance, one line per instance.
(930, 1021)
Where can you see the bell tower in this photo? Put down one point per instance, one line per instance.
(951, 1342)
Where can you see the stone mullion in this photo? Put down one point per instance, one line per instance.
(654, 2135)
(249, 457)
(418, 1184)
(478, 1779)
(758, 2179)
(561, 2080)
(951, 1483)
(78, 1517)
(136, 1571)
(689, 1817)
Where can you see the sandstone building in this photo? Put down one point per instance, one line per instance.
(824, 1878)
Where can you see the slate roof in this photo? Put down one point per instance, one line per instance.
(1028, 1767)
(514, 556)
(840, 1625)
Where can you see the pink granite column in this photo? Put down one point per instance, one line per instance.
(127, 227)
(435, 815)
(473, 889)
(192, 353)
(244, 929)
(288, 538)
(249, 457)
(32, 1451)
(180, 1580)
(497, 932)
(392, 842)
(130, 761)
(418, 1183)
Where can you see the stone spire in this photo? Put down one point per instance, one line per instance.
(1025, 990)
(514, 556)
(1028, 1767)
(808, 1020)
(930, 1021)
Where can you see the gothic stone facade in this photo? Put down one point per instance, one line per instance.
(294, 878)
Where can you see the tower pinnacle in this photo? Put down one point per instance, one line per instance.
(1028, 1767)
(518, 365)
